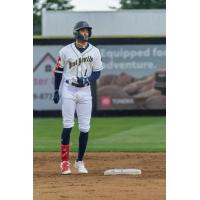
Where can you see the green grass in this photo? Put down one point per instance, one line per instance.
(132, 134)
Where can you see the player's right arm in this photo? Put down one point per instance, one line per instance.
(58, 71)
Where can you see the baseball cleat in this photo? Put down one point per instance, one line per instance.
(79, 165)
(64, 167)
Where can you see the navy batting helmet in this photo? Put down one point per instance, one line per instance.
(81, 25)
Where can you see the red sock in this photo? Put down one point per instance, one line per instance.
(64, 152)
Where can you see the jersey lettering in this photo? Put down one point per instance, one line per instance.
(80, 61)
(72, 63)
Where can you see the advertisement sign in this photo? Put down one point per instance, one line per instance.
(133, 77)
(129, 77)
(43, 81)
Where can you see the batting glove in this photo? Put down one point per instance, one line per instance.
(56, 97)
(82, 81)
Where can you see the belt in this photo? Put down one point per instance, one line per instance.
(77, 85)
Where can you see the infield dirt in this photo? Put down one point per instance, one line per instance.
(150, 185)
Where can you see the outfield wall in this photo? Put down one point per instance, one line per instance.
(127, 81)
(131, 22)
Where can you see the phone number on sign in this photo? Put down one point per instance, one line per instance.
(43, 96)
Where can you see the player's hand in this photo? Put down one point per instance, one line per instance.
(56, 97)
(82, 81)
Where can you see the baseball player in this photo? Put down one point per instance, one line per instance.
(78, 65)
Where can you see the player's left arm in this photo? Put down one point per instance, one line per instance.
(94, 76)
(87, 80)
(97, 67)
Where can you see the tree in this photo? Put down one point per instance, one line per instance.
(143, 4)
(40, 5)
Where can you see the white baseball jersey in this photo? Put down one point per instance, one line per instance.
(72, 63)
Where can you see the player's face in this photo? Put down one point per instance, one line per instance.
(84, 32)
